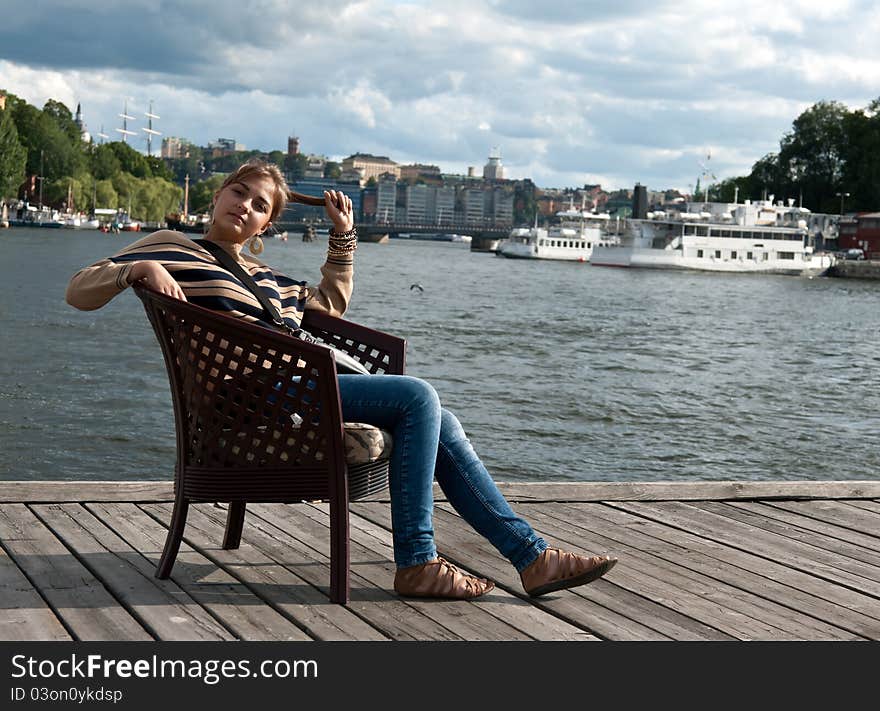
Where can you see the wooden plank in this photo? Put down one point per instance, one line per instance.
(230, 602)
(730, 609)
(823, 565)
(161, 491)
(866, 504)
(599, 614)
(288, 593)
(509, 610)
(779, 512)
(165, 610)
(463, 618)
(52, 492)
(687, 491)
(837, 605)
(88, 610)
(24, 615)
(837, 512)
(734, 588)
(394, 617)
(796, 533)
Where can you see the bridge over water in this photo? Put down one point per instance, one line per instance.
(483, 237)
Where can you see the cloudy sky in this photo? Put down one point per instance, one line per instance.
(570, 92)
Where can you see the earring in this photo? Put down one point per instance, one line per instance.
(255, 244)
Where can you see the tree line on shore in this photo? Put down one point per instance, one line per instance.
(829, 162)
(43, 157)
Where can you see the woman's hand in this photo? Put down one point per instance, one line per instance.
(337, 205)
(156, 276)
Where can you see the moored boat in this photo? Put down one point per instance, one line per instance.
(748, 238)
(573, 239)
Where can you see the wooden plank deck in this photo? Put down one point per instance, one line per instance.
(698, 561)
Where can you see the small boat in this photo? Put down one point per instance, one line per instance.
(573, 239)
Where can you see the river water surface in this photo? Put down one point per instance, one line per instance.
(558, 371)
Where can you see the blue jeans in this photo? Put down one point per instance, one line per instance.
(430, 443)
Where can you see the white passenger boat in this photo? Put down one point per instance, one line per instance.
(753, 237)
(574, 239)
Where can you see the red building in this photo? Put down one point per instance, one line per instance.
(861, 232)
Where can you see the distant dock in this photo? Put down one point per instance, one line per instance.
(852, 269)
(698, 561)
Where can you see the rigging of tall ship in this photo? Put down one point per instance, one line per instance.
(749, 237)
(573, 239)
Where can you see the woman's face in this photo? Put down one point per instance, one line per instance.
(243, 208)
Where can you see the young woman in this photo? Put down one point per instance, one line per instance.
(429, 441)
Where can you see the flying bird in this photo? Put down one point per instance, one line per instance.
(416, 286)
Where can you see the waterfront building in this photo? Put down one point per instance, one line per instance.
(493, 170)
(417, 171)
(386, 198)
(373, 166)
(416, 203)
(173, 147)
(500, 199)
(368, 203)
(315, 167)
(297, 212)
(224, 147)
(83, 133)
(473, 202)
(861, 231)
(441, 205)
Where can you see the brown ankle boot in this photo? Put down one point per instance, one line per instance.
(440, 579)
(557, 570)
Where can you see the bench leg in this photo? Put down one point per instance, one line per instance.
(172, 542)
(339, 552)
(234, 524)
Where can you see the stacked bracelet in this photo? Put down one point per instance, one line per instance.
(342, 244)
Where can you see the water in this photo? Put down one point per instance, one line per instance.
(559, 371)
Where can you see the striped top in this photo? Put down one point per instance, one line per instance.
(206, 283)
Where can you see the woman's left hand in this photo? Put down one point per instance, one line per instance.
(337, 205)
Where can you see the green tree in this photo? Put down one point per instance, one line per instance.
(154, 198)
(130, 160)
(861, 171)
(62, 117)
(105, 195)
(765, 179)
(201, 194)
(295, 166)
(731, 189)
(811, 156)
(13, 156)
(66, 193)
(159, 168)
(332, 170)
(104, 162)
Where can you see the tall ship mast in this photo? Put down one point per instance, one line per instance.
(149, 130)
(125, 118)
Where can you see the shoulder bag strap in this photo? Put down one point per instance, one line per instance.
(345, 363)
(239, 272)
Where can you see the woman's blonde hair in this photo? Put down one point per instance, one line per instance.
(255, 166)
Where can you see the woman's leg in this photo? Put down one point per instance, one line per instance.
(409, 409)
(429, 441)
(473, 493)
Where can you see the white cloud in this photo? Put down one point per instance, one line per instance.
(572, 92)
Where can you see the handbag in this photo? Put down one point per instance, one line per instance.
(344, 362)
